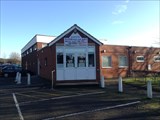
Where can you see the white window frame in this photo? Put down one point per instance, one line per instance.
(60, 66)
(126, 64)
(140, 60)
(157, 56)
(30, 50)
(34, 47)
(110, 66)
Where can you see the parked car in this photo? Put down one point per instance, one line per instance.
(1, 67)
(10, 70)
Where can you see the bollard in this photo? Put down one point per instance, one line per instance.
(120, 84)
(102, 82)
(17, 74)
(19, 79)
(149, 89)
(52, 78)
(28, 79)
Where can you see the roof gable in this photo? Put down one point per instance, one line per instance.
(71, 29)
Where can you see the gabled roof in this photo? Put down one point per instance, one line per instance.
(75, 26)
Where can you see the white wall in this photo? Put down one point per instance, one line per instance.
(37, 38)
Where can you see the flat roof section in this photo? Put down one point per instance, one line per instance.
(38, 38)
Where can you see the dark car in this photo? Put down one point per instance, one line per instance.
(1, 67)
(10, 70)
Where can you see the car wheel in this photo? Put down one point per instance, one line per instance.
(6, 75)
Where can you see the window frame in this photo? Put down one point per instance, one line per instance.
(30, 50)
(91, 63)
(110, 65)
(60, 65)
(70, 60)
(126, 63)
(140, 60)
(80, 58)
(156, 56)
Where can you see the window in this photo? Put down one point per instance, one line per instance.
(81, 60)
(90, 59)
(140, 58)
(35, 47)
(123, 62)
(30, 50)
(45, 61)
(60, 60)
(70, 60)
(106, 61)
(156, 58)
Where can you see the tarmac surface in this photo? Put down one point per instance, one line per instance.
(78, 102)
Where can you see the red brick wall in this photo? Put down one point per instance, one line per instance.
(31, 60)
(148, 53)
(48, 54)
(131, 53)
(39, 45)
(114, 52)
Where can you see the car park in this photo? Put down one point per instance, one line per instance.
(1, 67)
(10, 70)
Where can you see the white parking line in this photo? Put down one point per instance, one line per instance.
(68, 92)
(61, 97)
(95, 110)
(26, 95)
(45, 93)
(17, 106)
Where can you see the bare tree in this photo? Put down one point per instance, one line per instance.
(15, 58)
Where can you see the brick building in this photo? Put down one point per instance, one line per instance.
(76, 56)
(123, 60)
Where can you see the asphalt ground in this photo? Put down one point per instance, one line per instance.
(79, 102)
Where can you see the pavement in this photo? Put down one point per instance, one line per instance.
(76, 102)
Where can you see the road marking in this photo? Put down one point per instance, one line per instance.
(44, 93)
(9, 90)
(68, 92)
(26, 95)
(61, 97)
(95, 110)
(75, 92)
(17, 106)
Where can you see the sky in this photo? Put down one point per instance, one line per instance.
(117, 22)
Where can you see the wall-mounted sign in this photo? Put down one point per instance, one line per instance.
(75, 40)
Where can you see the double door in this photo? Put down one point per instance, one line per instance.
(76, 64)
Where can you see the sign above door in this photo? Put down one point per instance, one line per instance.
(75, 40)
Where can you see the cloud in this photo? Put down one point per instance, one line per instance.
(148, 38)
(117, 22)
(119, 9)
(127, 1)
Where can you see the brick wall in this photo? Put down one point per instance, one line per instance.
(131, 53)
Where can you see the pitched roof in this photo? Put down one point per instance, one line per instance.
(75, 26)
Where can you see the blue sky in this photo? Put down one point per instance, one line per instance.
(120, 22)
